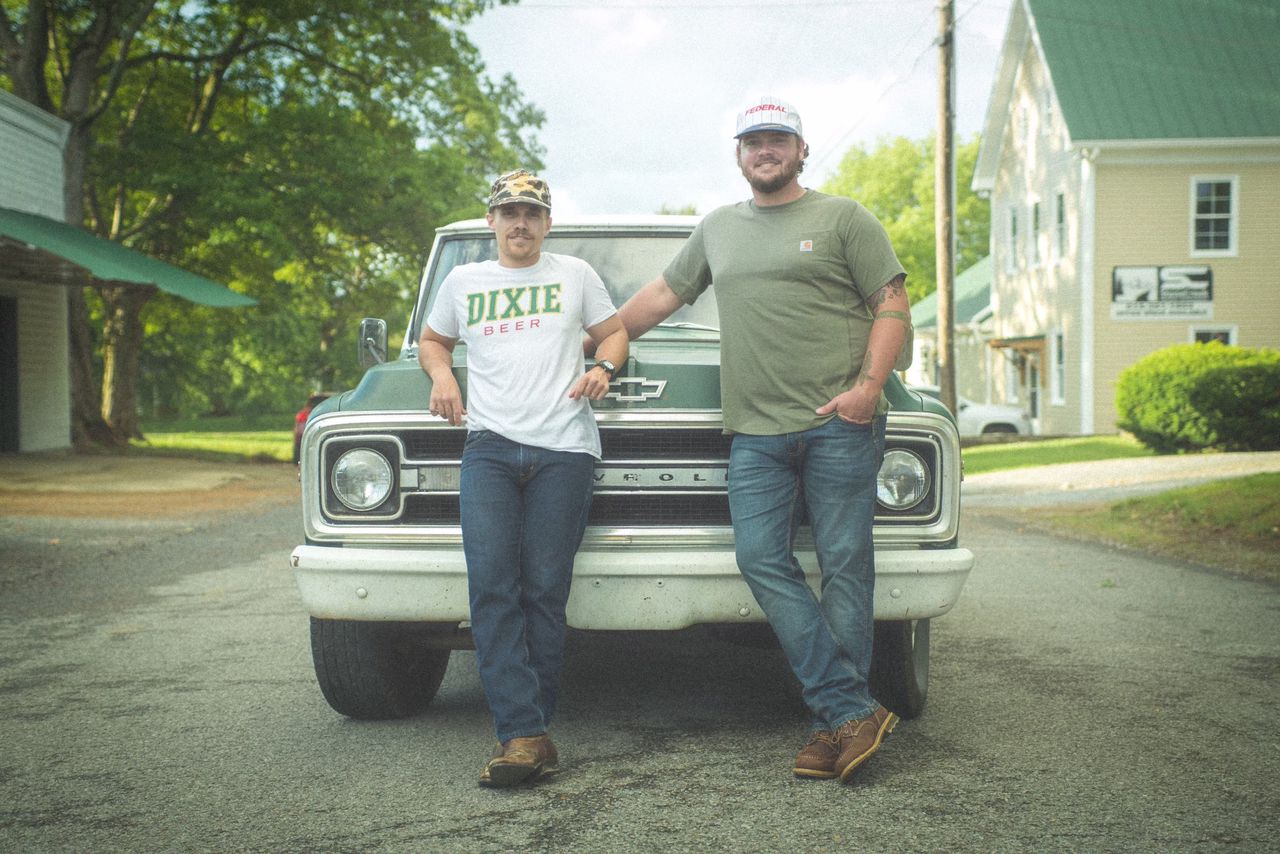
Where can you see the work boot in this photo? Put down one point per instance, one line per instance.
(859, 739)
(817, 760)
(519, 760)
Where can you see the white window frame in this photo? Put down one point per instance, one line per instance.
(1012, 378)
(1232, 331)
(1033, 389)
(1233, 219)
(1058, 368)
(1060, 227)
(1034, 235)
(1011, 240)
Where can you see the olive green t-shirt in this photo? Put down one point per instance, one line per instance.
(792, 283)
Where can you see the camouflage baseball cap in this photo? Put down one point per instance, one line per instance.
(520, 186)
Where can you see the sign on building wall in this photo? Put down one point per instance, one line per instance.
(1180, 292)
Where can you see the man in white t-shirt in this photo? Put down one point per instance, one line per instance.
(531, 448)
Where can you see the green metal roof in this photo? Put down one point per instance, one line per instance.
(111, 263)
(1163, 69)
(972, 297)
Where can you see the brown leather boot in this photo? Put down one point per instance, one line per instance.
(817, 760)
(520, 760)
(861, 738)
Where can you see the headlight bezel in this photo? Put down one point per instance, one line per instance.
(335, 450)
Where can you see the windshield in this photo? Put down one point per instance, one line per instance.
(625, 261)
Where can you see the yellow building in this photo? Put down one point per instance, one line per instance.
(1132, 156)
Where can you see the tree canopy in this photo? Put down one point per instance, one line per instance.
(895, 181)
(302, 152)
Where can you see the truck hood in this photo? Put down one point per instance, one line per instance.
(671, 372)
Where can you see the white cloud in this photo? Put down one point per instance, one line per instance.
(618, 31)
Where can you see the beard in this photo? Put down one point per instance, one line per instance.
(766, 186)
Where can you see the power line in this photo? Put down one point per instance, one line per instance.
(837, 149)
(687, 6)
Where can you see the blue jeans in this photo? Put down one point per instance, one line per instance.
(524, 510)
(830, 471)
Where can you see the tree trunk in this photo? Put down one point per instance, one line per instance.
(88, 427)
(121, 348)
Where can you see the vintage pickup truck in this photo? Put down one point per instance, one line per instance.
(382, 573)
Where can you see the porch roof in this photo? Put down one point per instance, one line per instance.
(38, 249)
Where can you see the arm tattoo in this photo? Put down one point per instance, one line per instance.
(900, 316)
(894, 288)
(864, 375)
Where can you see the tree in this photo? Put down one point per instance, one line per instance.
(895, 181)
(289, 128)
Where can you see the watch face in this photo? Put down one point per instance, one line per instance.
(608, 366)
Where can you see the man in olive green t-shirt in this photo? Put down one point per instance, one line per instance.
(813, 316)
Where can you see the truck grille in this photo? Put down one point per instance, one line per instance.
(656, 456)
(663, 475)
(618, 443)
(614, 511)
(663, 479)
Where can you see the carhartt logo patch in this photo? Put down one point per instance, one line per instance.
(806, 245)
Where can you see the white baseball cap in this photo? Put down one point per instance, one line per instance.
(769, 113)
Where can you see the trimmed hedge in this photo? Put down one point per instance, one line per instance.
(1193, 397)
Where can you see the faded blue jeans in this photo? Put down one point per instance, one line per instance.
(524, 510)
(830, 471)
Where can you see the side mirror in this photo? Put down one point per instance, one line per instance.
(372, 345)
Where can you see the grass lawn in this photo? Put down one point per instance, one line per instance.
(1015, 455)
(1230, 524)
(233, 438)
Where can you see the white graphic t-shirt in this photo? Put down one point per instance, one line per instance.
(523, 330)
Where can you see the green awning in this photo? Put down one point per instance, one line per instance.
(106, 261)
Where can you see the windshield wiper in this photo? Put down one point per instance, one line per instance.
(684, 324)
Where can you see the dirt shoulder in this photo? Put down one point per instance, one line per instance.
(135, 486)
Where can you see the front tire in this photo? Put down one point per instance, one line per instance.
(900, 666)
(378, 671)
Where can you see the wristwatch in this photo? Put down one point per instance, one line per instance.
(609, 367)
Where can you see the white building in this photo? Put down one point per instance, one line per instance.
(35, 397)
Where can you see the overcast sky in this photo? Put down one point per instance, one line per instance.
(640, 95)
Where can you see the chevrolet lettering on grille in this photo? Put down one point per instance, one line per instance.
(709, 477)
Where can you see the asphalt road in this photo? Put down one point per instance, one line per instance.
(158, 696)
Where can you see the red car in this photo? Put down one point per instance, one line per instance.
(300, 420)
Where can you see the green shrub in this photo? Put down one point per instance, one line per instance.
(1192, 397)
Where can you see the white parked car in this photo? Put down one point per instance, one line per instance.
(977, 419)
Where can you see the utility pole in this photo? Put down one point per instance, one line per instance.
(944, 202)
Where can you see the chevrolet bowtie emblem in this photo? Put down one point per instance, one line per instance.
(633, 389)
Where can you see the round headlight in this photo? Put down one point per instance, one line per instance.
(903, 481)
(362, 479)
